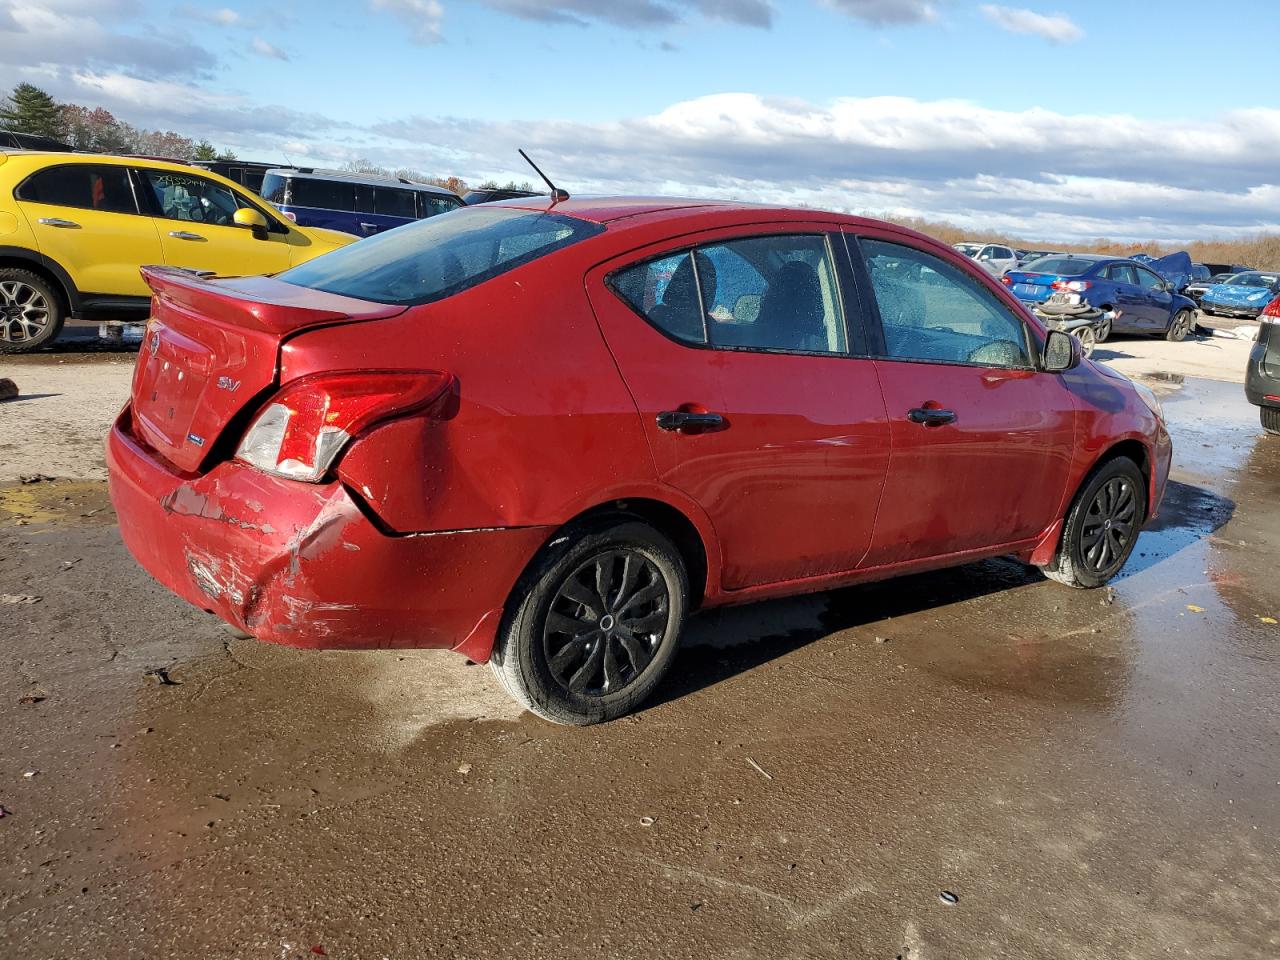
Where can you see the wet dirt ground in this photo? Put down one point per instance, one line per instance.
(1090, 774)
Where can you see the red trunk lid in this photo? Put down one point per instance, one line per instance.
(212, 346)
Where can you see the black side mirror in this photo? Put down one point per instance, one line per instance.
(1061, 352)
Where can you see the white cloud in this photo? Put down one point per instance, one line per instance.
(1028, 172)
(1056, 27)
(264, 49)
(76, 32)
(423, 17)
(887, 12)
(637, 13)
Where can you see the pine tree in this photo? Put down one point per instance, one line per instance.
(205, 151)
(28, 109)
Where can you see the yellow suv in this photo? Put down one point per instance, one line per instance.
(75, 228)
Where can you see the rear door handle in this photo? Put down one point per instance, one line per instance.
(184, 235)
(368, 226)
(680, 420)
(57, 222)
(931, 417)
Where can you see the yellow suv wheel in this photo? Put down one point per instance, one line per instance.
(31, 311)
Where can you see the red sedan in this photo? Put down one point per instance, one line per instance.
(541, 434)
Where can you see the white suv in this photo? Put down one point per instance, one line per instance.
(994, 257)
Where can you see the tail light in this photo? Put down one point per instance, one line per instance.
(1075, 286)
(307, 424)
(1007, 280)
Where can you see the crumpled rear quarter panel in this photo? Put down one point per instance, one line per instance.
(318, 573)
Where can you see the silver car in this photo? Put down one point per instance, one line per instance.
(995, 258)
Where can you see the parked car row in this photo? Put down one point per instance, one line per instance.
(1234, 292)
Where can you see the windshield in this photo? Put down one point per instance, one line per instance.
(968, 249)
(1253, 280)
(433, 259)
(1062, 266)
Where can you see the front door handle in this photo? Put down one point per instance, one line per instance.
(681, 420)
(184, 235)
(58, 222)
(931, 417)
(368, 226)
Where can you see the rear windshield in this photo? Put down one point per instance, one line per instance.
(1062, 266)
(436, 258)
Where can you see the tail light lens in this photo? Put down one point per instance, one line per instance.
(307, 424)
(1007, 280)
(1075, 286)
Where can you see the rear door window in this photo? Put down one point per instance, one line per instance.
(932, 310)
(323, 194)
(84, 185)
(1121, 273)
(758, 293)
(392, 202)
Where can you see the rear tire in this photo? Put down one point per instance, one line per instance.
(31, 311)
(1270, 417)
(1103, 329)
(593, 625)
(1102, 526)
(1179, 326)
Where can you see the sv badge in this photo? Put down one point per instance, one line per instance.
(226, 383)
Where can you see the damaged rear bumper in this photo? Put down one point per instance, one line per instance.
(300, 564)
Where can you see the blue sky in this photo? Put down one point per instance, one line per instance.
(1061, 120)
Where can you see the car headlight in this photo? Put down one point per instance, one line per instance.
(1150, 399)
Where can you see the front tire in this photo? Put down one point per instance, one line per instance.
(1102, 526)
(31, 313)
(1270, 417)
(593, 625)
(1179, 326)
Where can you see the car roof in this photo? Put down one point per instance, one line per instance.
(342, 176)
(689, 214)
(602, 209)
(110, 159)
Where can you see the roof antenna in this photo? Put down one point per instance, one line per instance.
(556, 193)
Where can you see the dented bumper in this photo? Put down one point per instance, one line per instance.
(300, 564)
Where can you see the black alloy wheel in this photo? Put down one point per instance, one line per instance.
(1110, 525)
(1102, 526)
(593, 624)
(606, 622)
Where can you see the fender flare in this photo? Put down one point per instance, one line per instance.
(51, 266)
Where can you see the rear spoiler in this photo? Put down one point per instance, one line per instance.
(262, 303)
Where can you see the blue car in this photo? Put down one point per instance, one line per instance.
(1144, 301)
(1243, 295)
(354, 203)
